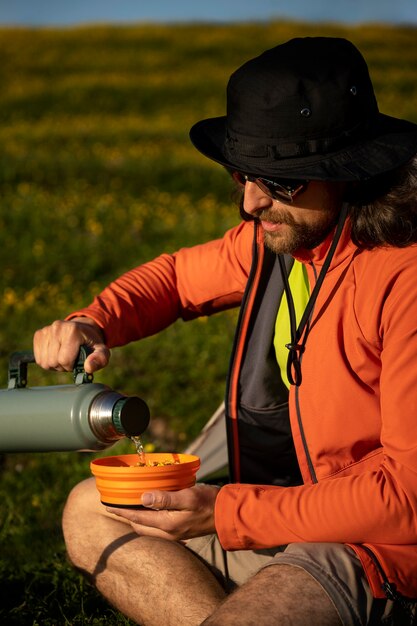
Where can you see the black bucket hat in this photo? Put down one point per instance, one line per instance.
(306, 109)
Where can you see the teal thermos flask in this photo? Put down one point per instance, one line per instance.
(80, 416)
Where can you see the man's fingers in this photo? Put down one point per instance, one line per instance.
(166, 524)
(183, 500)
(160, 500)
(178, 514)
(98, 359)
(57, 346)
(54, 348)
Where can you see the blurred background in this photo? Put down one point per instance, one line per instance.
(47, 12)
(97, 175)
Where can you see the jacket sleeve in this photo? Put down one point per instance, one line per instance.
(375, 499)
(192, 282)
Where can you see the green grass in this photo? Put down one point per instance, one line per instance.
(97, 175)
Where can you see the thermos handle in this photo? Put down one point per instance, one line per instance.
(18, 367)
(80, 376)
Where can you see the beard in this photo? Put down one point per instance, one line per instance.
(295, 236)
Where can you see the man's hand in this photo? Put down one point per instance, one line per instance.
(175, 515)
(56, 347)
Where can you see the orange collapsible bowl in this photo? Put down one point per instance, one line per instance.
(121, 481)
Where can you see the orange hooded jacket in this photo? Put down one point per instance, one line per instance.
(353, 418)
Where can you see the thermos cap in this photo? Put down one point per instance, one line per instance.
(131, 416)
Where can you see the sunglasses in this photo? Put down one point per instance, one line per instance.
(282, 190)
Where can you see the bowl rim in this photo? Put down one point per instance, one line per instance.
(103, 464)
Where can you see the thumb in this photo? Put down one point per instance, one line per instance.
(98, 359)
(158, 500)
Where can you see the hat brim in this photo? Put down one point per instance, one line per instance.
(393, 143)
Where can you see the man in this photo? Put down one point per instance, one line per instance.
(319, 522)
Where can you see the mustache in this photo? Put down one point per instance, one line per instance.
(277, 215)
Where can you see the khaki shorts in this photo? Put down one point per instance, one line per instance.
(333, 565)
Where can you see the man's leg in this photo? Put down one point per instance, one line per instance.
(157, 582)
(152, 581)
(278, 595)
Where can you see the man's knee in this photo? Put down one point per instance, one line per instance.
(277, 594)
(299, 595)
(78, 521)
(92, 535)
(82, 501)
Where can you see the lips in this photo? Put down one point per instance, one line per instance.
(272, 226)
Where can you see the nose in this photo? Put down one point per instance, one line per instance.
(255, 200)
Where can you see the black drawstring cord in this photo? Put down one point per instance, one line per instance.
(296, 348)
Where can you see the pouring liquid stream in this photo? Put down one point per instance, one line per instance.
(139, 449)
(143, 461)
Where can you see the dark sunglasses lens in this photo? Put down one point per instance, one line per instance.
(274, 191)
(285, 191)
(282, 190)
(289, 184)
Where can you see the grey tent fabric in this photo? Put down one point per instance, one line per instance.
(211, 446)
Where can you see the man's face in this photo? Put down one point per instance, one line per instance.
(303, 224)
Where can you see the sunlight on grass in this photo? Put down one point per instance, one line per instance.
(97, 176)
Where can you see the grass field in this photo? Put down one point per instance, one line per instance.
(97, 175)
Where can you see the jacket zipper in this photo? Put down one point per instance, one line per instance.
(236, 359)
(389, 588)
